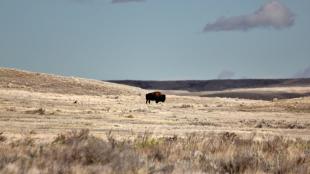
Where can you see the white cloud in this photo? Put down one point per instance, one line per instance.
(273, 14)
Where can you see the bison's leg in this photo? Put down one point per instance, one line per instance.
(157, 101)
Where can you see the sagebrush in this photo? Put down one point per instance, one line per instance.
(80, 152)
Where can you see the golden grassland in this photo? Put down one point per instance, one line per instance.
(55, 124)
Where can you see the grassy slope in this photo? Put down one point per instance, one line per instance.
(41, 82)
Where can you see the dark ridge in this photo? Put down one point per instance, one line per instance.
(258, 96)
(213, 85)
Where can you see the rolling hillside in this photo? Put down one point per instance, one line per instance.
(42, 82)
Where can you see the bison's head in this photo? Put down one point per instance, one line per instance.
(162, 98)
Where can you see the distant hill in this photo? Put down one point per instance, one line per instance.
(42, 82)
(214, 85)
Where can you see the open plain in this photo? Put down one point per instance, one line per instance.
(44, 107)
(48, 105)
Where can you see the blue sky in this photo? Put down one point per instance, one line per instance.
(157, 39)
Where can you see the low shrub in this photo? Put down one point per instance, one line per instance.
(80, 152)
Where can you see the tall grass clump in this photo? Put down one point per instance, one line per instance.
(80, 152)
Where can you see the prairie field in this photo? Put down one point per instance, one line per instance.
(56, 124)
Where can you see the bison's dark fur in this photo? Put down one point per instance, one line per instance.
(155, 96)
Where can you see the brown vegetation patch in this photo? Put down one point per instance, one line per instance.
(40, 111)
(203, 123)
(184, 106)
(217, 153)
(2, 138)
(277, 124)
(278, 106)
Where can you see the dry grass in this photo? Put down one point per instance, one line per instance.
(40, 111)
(80, 152)
(42, 106)
(279, 124)
(49, 104)
(41, 82)
(2, 138)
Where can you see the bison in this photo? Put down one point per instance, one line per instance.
(155, 96)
